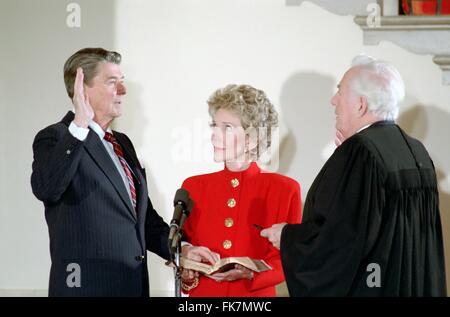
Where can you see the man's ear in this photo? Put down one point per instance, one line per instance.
(363, 106)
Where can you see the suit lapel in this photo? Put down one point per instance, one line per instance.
(97, 151)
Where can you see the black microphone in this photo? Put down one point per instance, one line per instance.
(180, 203)
(185, 213)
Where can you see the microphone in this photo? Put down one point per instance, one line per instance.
(180, 203)
(186, 212)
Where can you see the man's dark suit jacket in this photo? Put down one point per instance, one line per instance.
(90, 217)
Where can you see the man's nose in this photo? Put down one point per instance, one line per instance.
(121, 89)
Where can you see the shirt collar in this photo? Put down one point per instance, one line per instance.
(364, 127)
(98, 129)
(381, 122)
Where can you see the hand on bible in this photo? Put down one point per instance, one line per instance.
(83, 110)
(239, 272)
(274, 234)
(199, 254)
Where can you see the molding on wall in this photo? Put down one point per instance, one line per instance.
(417, 34)
(340, 7)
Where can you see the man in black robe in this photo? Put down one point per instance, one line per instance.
(371, 224)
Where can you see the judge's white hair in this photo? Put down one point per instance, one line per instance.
(381, 83)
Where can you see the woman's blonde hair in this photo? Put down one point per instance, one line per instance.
(252, 106)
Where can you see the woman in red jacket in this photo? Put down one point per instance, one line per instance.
(231, 206)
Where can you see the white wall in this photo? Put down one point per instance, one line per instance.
(175, 54)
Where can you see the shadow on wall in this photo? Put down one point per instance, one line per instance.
(133, 123)
(309, 120)
(430, 125)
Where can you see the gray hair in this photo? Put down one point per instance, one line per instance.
(381, 83)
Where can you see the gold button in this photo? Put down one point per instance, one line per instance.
(235, 182)
(231, 202)
(229, 222)
(227, 244)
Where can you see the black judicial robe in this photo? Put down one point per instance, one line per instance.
(371, 224)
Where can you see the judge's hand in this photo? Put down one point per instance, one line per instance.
(83, 110)
(274, 234)
(199, 254)
(339, 139)
(239, 272)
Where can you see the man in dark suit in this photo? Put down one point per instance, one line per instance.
(100, 219)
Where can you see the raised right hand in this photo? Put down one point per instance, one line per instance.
(83, 110)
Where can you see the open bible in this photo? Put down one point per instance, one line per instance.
(226, 264)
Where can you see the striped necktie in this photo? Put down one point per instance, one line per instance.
(119, 152)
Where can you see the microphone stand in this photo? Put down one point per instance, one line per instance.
(177, 268)
(175, 248)
(175, 255)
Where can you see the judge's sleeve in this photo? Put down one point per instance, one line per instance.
(322, 255)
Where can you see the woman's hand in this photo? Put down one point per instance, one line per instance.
(239, 272)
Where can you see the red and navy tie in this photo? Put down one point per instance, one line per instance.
(119, 152)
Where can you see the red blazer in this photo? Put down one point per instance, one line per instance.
(226, 206)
